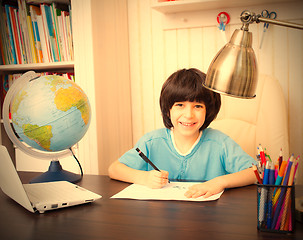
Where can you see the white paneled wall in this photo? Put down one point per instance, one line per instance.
(84, 72)
(161, 44)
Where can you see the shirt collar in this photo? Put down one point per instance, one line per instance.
(189, 151)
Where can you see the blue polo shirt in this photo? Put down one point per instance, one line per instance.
(215, 154)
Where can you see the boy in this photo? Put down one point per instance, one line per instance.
(187, 149)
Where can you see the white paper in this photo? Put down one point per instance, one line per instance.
(172, 191)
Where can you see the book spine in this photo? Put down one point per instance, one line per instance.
(23, 53)
(44, 40)
(30, 29)
(55, 28)
(24, 32)
(46, 13)
(4, 36)
(10, 35)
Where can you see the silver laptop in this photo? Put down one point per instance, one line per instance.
(40, 196)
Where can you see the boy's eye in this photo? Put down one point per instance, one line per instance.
(178, 104)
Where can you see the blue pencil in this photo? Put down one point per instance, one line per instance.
(270, 194)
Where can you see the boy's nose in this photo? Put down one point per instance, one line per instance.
(188, 112)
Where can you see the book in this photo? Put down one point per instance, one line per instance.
(12, 17)
(3, 38)
(24, 32)
(34, 12)
(62, 35)
(45, 46)
(53, 10)
(36, 56)
(10, 36)
(50, 31)
(19, 35)
(69, 34)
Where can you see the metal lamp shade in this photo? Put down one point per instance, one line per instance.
(233, 71)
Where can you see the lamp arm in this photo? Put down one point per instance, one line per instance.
(281, 23)
(248, 17)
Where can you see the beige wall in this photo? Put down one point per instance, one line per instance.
(112, 82)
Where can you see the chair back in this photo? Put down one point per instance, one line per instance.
(261, 120)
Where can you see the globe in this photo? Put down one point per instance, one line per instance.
(49, 115)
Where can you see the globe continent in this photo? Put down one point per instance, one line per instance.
(50, 113)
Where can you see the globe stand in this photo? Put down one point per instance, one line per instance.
(56, 173)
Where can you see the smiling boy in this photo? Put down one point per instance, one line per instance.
(187, 149)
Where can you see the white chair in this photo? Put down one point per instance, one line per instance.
(262, 120)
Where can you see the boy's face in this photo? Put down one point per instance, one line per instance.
(187, 118)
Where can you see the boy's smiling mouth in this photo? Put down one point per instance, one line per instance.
(187, 124)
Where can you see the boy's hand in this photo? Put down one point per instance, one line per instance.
(156, 179)
(205, 189)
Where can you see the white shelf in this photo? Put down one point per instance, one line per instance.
(37, 66)
(196, 5)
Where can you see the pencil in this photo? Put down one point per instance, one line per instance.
(262, 155)
(257, 173)
(280, 200)
(279, 180)
(280, 159)
(287, 197)
(142, 155)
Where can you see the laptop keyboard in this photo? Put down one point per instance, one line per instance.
(54, 192)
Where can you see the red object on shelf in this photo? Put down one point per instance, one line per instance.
(226, 15)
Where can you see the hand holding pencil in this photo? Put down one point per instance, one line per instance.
(156, 179)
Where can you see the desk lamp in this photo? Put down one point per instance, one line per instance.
(234, 70)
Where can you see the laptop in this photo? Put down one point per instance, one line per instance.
(40, 197)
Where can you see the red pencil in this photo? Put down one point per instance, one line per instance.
(257, 173)
(262, 155)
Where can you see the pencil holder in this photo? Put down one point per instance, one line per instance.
(276, 208)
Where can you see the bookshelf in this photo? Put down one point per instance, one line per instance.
(36, 67)
(26, 34)
(101, 69)
(81, 65)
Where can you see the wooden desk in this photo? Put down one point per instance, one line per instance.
(232, 217)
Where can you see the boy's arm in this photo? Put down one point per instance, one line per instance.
(218, 184)
(152, 179)
(239, 179)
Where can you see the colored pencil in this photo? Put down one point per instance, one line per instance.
(282, 194)
(262, 155)
(287, 196)
(254, 167)
(280, 159)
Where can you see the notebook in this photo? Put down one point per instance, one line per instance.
(40, 197)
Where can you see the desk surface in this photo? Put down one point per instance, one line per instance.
(232, 217)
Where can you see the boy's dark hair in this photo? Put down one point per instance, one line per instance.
(186, 85)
